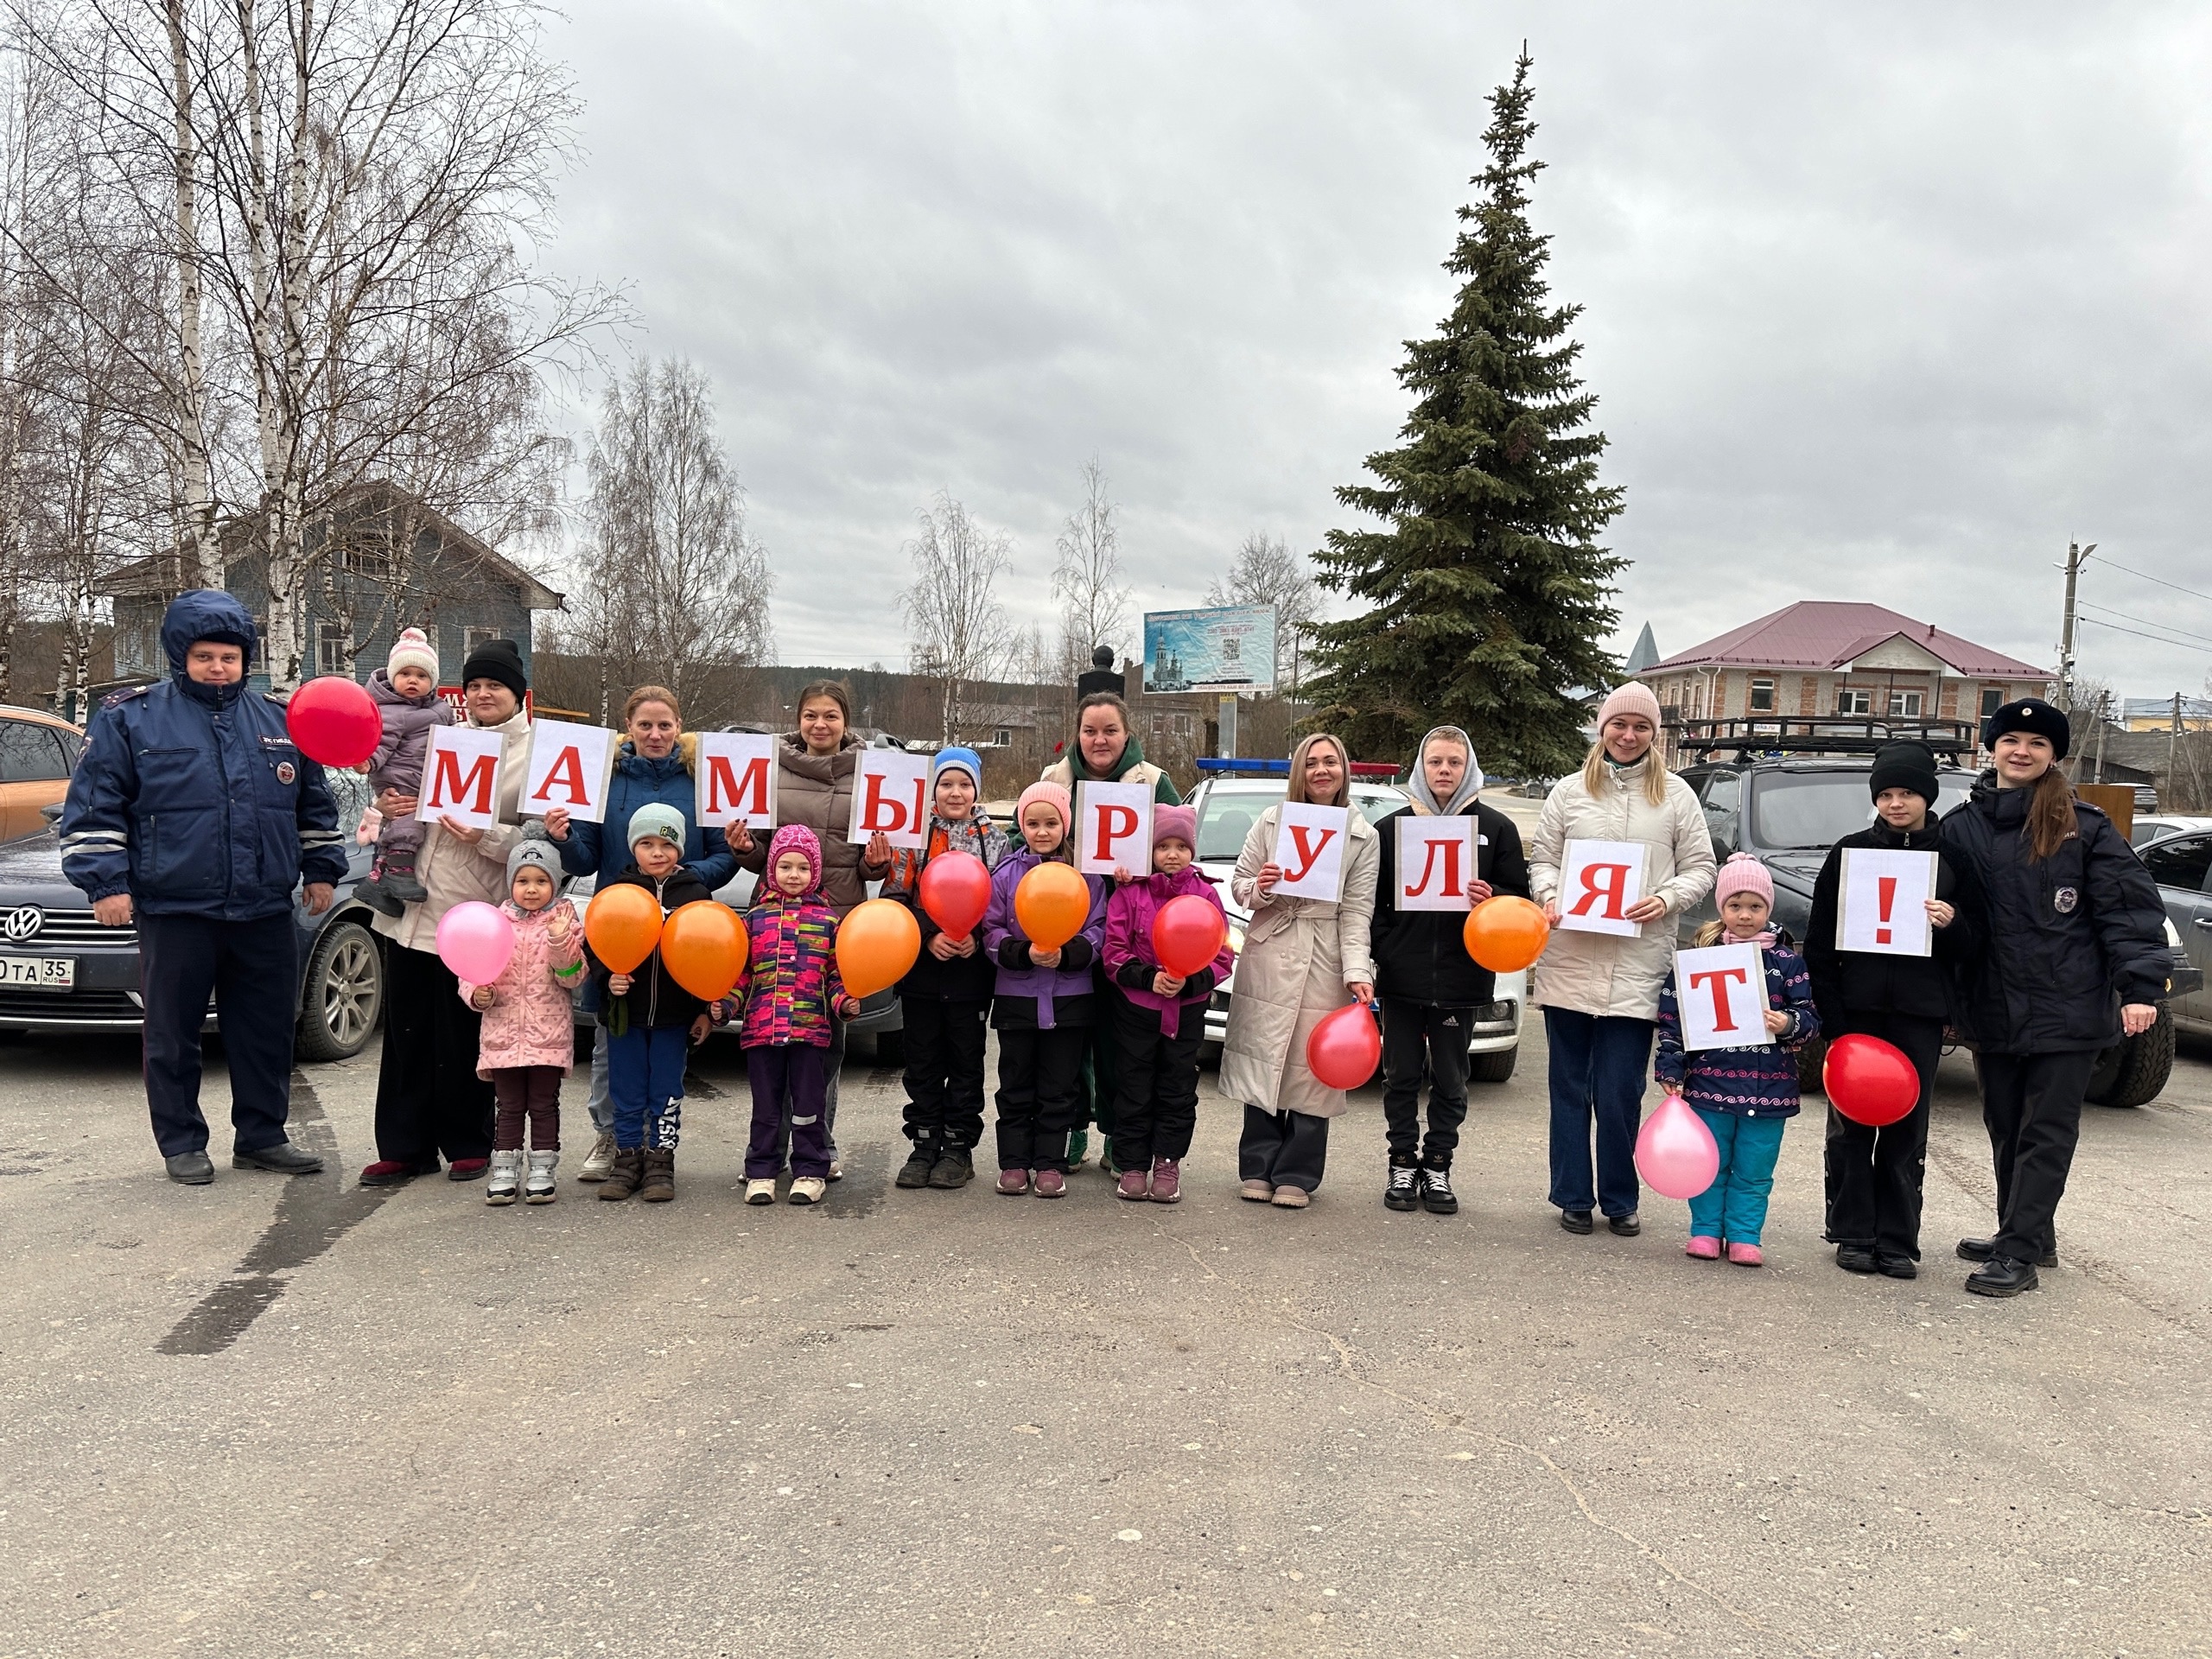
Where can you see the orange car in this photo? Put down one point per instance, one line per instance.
(37, 753)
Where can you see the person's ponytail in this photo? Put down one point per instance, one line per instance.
(2051, 815)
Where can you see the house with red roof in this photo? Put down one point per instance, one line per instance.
(1839, 657)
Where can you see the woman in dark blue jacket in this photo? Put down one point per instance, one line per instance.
(652, 763)
(2074, 956)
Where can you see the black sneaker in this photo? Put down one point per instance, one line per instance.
(1898, 1267)
(915, 1172)
(1404, 1190)
(1982, 1249)
(954, 1168)
(1854, 1258)
(1577, 1221)
(1436, 1195)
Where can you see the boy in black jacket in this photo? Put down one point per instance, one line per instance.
(652, 1022)
(1427, 984)
(1874, 1176)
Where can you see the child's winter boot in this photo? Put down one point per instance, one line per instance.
(1167, 1180)
(506, 1175)
(399, 879)
(539, 1188)
(376, 895)
(659, 1185)
(623, 1174)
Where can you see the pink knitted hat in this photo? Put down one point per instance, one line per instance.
(1632, 698)
(1054, 794)
(1175, 824)
(796, 838)
(1743, 873)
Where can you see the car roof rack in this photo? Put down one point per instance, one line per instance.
(1818, 735)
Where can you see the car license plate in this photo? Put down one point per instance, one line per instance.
(39, 973)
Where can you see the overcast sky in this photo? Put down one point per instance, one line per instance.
(1883, 301)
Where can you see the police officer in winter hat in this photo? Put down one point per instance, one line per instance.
(193, 815)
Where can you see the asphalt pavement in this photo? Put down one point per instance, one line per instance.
(273, 1416)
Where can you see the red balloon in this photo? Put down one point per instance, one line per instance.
(1345, 1047)
(1869, 1081)
(1187, 934)
(956, 890)
(333, 722)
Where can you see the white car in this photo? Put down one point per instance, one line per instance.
(1228, 806)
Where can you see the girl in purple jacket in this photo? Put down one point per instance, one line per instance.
(1159, 1019)
(1043, 1006)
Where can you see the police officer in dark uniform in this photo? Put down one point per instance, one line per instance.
(192, 814)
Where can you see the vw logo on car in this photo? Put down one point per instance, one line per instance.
(22, 925)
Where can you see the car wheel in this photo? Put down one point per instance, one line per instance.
(343, 994)
(1496, 1067)
(1811, 1059)
(2134, 1073)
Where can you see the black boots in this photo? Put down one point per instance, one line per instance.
(915, 1172)
(1404, 1190)
(1436, 1195)
(1981, 1250)
(2002, 1276)
(954, 1168)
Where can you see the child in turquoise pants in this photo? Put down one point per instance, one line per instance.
(1745, 1096)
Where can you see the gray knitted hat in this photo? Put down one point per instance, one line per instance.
(536, 856)
(655, 818)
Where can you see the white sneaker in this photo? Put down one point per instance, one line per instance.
(760, 1191)
(505, 1176)
(600, 1159)
(538, 1188)
(808, 1189)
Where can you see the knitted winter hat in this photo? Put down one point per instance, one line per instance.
(960, 760)
(796, 838)
(1054, 794)
(536, 856)
(1175, 824)
(412, 649)
(1633, 697)
(2030, 715)
(1743, 873)
(1905, 764)
(655, 818)
(497, 659)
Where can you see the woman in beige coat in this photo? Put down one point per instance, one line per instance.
(1600, 992)
(1302, 958)
(429, 1099)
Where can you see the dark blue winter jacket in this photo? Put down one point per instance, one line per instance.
(639, 779)
(192, 798)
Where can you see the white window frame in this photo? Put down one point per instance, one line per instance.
(1849, 700)
(1907, 705)
(1762, 684)
(476, 635)
(329, 634)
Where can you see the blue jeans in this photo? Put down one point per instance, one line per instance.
(1734, 1207)
(1597, 1069)
(645, 1078)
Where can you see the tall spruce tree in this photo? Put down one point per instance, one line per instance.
(1487, 591)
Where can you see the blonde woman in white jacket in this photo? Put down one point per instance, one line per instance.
(1303, 958)
(1600, 992)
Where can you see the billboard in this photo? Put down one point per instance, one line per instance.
(1231, 649)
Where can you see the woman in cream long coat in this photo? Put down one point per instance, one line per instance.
(1600, 992)
(1303, 958)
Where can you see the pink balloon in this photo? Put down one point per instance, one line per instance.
(475, 941)
(1675, 1152)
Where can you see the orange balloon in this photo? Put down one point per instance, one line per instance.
(1505, 934)
(877, 944)
(622, 926)
(703, 946)
(1052, 903)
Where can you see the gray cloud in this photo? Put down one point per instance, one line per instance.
(1884, 301)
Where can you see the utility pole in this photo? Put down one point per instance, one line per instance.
(2077, 556)
(2173, 737)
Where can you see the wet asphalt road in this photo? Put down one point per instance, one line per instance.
(269, 1417)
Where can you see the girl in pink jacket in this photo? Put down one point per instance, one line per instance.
(1159, 1019)
(529, 1032)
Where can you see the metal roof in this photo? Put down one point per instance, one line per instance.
(1825, 633)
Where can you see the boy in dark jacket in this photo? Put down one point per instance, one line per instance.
(651, 1021)
(1427, 984)
(1874, 1175)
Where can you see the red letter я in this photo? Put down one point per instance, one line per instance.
(1717, 978)
(1606, 881)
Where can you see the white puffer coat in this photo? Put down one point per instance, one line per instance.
(1604, 973)
(1299, 956)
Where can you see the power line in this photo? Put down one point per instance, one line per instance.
(2161, 581)
(2114, 627)
(2147, 621)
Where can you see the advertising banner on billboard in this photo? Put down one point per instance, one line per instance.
(1230, 648)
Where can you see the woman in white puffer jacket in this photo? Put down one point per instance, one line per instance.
(1600, 992)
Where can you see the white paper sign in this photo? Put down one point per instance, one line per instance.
(1436, 859)
(891, 798)
(1720, 993)
(733, 776)
(461, 777)
(569, 766)
(1598, 882)
(1113, 826)
(1310, 851)
(1884, 894)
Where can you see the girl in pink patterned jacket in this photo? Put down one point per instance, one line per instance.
(791, 998)
(528, 1036)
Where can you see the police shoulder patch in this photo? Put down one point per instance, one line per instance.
(117, 699)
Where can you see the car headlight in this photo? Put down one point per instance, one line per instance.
(2173, 938)
(1236, 937)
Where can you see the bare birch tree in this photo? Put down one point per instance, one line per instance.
(1087, 581)
(1266, 572)
(959, 634)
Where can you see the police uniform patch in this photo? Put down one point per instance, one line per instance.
(2064, 900)
(284, 772)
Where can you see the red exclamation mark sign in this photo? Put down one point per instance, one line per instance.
(1886, 886)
